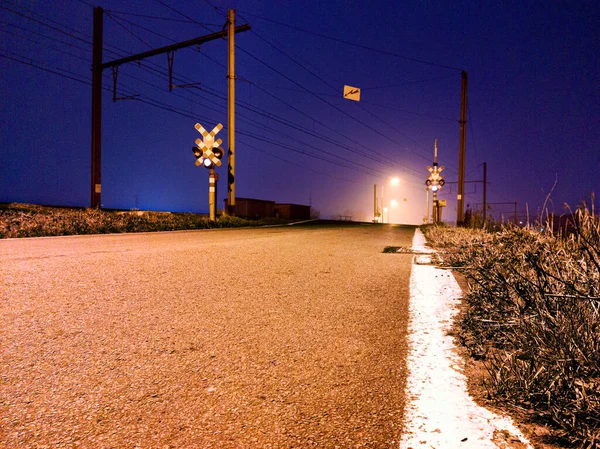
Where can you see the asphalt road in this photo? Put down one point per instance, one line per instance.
(254, 338)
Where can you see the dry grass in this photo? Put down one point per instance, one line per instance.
(24, 220)
(533, 315)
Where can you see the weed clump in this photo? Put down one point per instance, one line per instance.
(532, 314)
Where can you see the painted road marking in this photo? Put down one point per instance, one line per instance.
(440, 413)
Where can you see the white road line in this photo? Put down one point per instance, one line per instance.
(440, 413)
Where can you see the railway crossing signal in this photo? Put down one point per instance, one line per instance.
(208, 152)
(435, 181)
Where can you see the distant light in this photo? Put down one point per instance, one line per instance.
(385, 209)
(393, 203)
(395, 181)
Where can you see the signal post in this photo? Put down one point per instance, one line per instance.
(208, 153)
(435, 182)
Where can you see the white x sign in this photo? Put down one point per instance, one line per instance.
(208, 143)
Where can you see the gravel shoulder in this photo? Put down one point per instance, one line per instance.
(253, 338)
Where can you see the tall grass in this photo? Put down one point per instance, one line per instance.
(17, 220)
(533, 316)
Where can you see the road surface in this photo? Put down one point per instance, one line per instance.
(250, 338)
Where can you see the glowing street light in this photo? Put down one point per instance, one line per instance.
(379, 214)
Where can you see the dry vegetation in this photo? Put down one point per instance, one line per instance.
(532, 314)
(25, 220)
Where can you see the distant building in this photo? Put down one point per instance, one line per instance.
(292, 211)
(253, 208)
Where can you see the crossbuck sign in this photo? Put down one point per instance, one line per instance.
(208, 143)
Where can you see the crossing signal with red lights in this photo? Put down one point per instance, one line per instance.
(208, 151)
(435, 181)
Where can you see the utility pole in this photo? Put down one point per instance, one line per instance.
(96, 108)
(231, 116)
(436, 218)
(375, 202)
(484, 192)
(460, 216)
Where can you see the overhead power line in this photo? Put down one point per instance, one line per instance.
(368, 126)
(46, 25)
(275, 117)
(335, 89)
(148, 101)
(407, 83)
(246, 144)
(117, 21)
(179, 111)
(145, 16)
(353, 44)
(183, 15)
(406, 111)
(20, 36)
(271, 116)
(56, 71)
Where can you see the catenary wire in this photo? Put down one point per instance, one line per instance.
(331, 104)
(45, 24)
(364, 47)
(178, 111)
(184, 15)
(118, 22)
(168, 19)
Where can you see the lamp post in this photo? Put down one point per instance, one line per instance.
(394, 182)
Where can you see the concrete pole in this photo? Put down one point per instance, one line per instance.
(231, 116)
(374, 202)
(96, 185)
(460, 216)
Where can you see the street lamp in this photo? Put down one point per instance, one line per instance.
(394, 182)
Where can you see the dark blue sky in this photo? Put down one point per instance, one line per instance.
(534, 96)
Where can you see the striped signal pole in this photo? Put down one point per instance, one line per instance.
(212, 194)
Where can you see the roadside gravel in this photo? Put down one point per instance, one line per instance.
(253, 338)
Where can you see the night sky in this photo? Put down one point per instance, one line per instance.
(533, 103)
